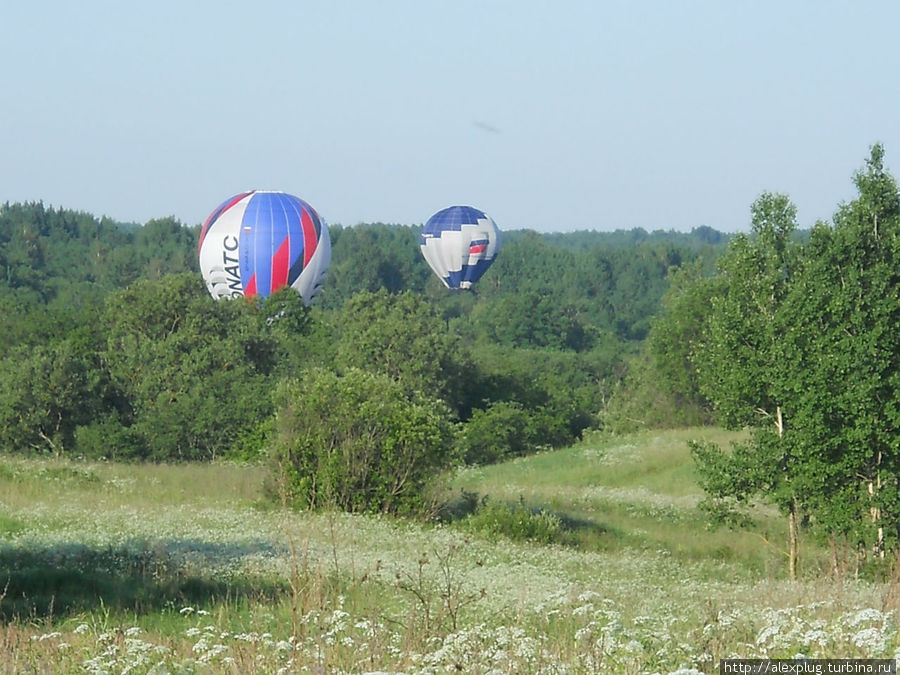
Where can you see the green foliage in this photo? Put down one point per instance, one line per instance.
(733, 480)
(45, 251)
(180, 361)
(253, 443)
(801, 343)
(403, 337)
(517, 522)
(646, 399)
(47, 392)
(676, 334)
(359, 442)
(166, 373)
(847, 304)
(498, 432)
(372, 257)
(740, 367)
(532, 320)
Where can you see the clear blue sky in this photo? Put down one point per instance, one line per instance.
(554, 115)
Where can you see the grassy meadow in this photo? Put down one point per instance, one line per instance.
(589, 559)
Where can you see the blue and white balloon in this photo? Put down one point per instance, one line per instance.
(460, 243)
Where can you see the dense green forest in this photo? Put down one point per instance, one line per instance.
(112, 347)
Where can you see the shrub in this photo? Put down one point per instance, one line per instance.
(515, 521)
(358, 442)
(496, 433)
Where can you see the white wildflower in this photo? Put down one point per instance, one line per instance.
(870, 639)
(767, 635)
(215, 651)
(589, 596)
(584, 633)
(865, 616)
(816, 636)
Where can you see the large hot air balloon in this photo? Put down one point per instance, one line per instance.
(258, 242)
(460, 243)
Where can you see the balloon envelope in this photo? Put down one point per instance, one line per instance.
(460, 243)
(258, 242)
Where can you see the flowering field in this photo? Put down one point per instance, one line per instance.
(131, 569)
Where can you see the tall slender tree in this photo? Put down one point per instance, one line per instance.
(742, 369)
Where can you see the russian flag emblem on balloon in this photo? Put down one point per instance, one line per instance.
(460, 243)
(258, 242)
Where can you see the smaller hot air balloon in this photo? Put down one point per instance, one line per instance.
(460, 243)
(258, 242)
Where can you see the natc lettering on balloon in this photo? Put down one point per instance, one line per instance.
(232, 266)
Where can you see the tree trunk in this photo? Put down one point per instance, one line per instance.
(794, 541)
(874, 487)
(835, 564)
(793, 525)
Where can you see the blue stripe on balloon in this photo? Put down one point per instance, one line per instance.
(257, 234)
(452, 218)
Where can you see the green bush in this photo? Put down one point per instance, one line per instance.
(516, 522)
(358, 442)
(495, 433)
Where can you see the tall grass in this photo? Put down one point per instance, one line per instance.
(115, 568)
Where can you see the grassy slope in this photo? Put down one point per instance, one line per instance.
(646, 583)
(639, 492)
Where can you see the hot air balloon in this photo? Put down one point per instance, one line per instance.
(258, 242)
(460, 243)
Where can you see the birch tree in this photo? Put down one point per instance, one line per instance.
(847, 312)
(802, 347)
(742, 369)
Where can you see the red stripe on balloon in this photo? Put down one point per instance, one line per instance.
(250, 288)
(309, 236)
(281, 264)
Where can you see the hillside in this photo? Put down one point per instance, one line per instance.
(182, 568)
